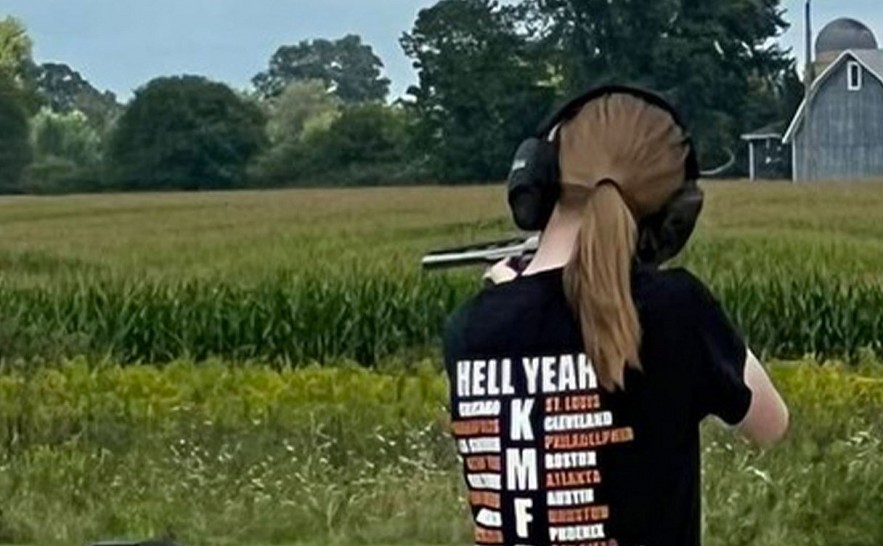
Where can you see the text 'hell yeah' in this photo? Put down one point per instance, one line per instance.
(548, 374)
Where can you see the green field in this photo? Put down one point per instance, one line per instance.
(295, 276)
(262, 368)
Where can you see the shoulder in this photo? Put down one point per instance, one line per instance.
(455, 328)
(457, 320)
(701, 317)
(675, 291)
(689, 286)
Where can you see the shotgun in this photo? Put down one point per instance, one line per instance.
(485, 254)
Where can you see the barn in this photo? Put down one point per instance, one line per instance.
(837, 133)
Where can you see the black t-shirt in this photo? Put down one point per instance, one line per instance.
(549, 456)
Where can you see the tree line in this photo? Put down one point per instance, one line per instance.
(319, 114)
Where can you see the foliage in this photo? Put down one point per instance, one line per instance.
(362, 145)
(66, 136)
(362, 134)
(303, 107)
(481, 88)
(57, 176)
(15, 152)
(348, 68)
(302, 110)
(489, 72)
(714, 60)
(185, 133)
(15, 49)
(219, 453)
(65, 91)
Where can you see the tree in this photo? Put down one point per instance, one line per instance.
(16, 61)
(364, 134)
(65, 136)
(15, 151)
(65, 90)
(67, 154)
(303, 106)
(365, 144)
(303, 109)
(713, 60)
(347, 67)
(482, 88)
(187, 133)
(15, 49)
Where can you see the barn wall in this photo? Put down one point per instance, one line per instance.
(846, 130)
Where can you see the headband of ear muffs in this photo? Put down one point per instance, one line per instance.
(535, 183)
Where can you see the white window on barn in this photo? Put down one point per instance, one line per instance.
(854, 75)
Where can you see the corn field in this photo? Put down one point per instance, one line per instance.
(294, 277)
(293, 321)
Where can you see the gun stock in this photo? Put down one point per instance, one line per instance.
(481, 254)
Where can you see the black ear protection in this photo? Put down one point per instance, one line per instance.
(535, 182)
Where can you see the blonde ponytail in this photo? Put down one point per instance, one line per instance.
(597, 283)
(621, 159)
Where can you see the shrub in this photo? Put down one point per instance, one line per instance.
(185, 133)
(53, 175)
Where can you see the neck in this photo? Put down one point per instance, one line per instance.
(556, 242)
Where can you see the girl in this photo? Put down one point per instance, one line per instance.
(577, 385)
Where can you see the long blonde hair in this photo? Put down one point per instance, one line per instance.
(621, 159)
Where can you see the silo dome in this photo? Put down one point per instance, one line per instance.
(843, 34)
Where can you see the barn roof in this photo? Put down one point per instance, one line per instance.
(773, 130)
(871, 59)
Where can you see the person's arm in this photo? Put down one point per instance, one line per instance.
(767, 419)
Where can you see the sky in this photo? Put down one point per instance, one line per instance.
(121, 44)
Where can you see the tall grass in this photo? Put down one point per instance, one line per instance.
(222, 454)
(293, 276)
(290, 321)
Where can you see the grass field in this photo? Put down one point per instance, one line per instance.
(247, 236)
(220, 454)
(230, 432)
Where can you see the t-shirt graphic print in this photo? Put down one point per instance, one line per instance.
(529, 431)
(549, 457)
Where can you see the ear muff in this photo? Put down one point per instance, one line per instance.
(534, 183)
(664, 234)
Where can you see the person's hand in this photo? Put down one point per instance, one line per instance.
(500, 273)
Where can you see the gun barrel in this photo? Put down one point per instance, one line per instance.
(482, 254)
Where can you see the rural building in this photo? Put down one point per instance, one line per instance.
(837, 133)
(768, 156)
